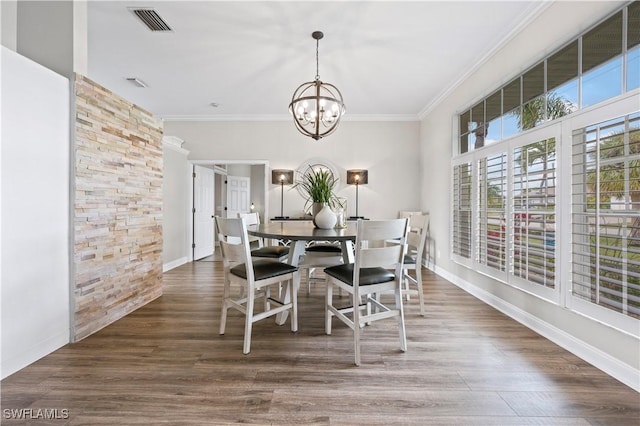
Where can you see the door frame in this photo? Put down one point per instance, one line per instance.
(189, 206)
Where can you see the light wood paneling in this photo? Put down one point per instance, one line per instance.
(118, 208)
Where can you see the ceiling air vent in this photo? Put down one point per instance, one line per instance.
(151, 19)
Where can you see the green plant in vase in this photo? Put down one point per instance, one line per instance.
(319, 185)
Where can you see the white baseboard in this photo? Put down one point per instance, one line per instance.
(174, 264)
(594, 356)
(31, 355)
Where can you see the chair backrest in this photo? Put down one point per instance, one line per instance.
(417, 237)
(252, 219)
(230, 231)
(370, 249)
(402, 214)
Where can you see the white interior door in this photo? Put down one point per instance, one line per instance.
(238, 192)
(203, 212)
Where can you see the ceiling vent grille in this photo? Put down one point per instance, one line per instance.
(151, 19)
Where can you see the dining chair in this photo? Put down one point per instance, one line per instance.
(407, 213)
(278, 252)
(256, 277)
(414, 257)
(319, 255)
(377, 269)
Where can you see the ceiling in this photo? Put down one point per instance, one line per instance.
(392, 60)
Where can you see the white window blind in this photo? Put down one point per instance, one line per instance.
(492, 191)
(533, 212)
(461, 244)
(606, 214)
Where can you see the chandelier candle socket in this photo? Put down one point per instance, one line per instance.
(316, 106)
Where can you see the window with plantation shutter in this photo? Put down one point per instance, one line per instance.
(546, 192)
(533, 212)
(606, 215)
(461, 244)
(491, 249)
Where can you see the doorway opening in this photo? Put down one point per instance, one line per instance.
(222, 188)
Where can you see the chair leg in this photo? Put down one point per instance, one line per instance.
(407, 285)
(295, 285)
(309, 271)
(248, 324)
(267, 295)
(420, 292)
(366, 299)
(328, 302)
(225, 307)
(400, 318)
(356, 329)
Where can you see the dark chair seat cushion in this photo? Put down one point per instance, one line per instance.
(272, 252)
(409, 260)
(263, 269)
(368, 276)
(324, 248)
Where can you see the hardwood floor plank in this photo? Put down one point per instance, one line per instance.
(598, 404)
(466, 364)
(372, 402)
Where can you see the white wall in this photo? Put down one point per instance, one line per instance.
(34, 283)
(45, 33)
(174, 204)
(389, 150)
(609, 349)
(8, 23)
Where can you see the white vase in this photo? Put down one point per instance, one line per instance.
(315, 209)
(326, 218)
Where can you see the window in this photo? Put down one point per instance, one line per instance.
(462, 210)
(588, 70)
(555, 210)
(533, 212)
(633, 25)
(492, 186)
(563, 66)
(606, 215)
(601, 83)
(493, 119)
(562, 80)
(602, 43)
(633, 69)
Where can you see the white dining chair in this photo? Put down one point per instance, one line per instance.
(263, 251)
(414, 257)
(377, 269)
(255, 276)
(319, 256)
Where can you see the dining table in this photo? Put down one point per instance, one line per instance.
(298, 234)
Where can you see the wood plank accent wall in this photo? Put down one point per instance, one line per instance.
(118, 208)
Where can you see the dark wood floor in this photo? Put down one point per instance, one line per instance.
(466, 364)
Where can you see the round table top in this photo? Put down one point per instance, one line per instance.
(306, 231)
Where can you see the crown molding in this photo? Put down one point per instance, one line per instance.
(533, 12)
(287, 117)
(174, 143)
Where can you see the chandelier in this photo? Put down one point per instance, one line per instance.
(316, 106)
